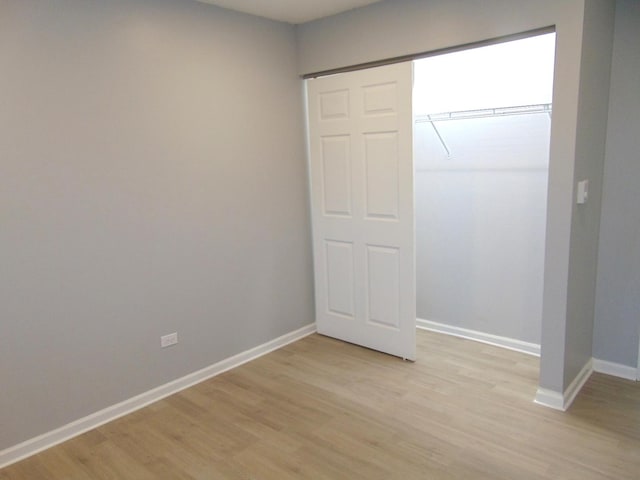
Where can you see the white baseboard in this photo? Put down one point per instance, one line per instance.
(73, 429)
(576, 385)
(504, 342)
(549, 398)
(546, 397)
(615, 369)
(562, 401)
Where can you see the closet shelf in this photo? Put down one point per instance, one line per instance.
(486, 112)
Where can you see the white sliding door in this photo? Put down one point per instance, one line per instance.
(360, 128)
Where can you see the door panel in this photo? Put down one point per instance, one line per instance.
(383, 294)
(361, 165)
(381, 164)
(336, 164)
(340, 287)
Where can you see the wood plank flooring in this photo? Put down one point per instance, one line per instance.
(323, 409)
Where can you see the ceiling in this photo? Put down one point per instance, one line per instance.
(291, 11)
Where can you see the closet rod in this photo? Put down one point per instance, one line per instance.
(486, 112)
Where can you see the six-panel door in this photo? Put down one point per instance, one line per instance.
(361, 163)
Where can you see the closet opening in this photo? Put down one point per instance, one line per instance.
(482, 123)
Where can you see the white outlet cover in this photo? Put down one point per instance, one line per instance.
(168, 340)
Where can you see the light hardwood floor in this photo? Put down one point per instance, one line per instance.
(323, 409)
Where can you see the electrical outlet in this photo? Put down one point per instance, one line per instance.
(168, 340)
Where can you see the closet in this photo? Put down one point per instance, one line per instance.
(482, 121)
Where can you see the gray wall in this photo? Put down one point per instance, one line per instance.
(153, 179)
(399, 27)
(618, 289)
(480, 223)
(590, 147)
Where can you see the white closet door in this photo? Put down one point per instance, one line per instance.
(361, 164)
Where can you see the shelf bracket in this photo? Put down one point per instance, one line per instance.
(444, 145)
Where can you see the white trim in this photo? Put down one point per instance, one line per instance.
(558, 401)
(82, 425)
(615, 369)
(576, 385)
(504, 342)
(549, 398)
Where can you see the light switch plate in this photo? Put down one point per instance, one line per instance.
(583, 192)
